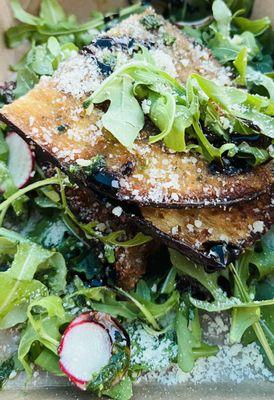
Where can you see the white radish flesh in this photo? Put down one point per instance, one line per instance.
(21, 160)
(84, 350)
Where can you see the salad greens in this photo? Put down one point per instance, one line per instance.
(176, 109)
(184, 114)
(50, 270)
(54, 37)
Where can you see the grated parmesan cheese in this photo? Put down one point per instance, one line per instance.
(233, 363)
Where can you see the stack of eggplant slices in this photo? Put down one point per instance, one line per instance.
(156, 137)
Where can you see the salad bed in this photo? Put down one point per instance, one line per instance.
(60, 260)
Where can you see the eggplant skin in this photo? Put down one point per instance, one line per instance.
(148, 175)
(211, 236)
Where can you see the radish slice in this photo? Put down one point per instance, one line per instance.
(21, 160)
(85, 350)
(88, 345)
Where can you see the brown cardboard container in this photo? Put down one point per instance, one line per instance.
(49, 388)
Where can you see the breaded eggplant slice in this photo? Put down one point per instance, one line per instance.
(212, 236)
(52, 116)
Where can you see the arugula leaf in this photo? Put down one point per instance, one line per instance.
(4, 150)
(22, 15)
(45, 316)
(104, 299)
(256, 26)
(48, 361)
(264, 290)
(222, 16)
(237, 103)
(242, 319)
(254, 155)
(257, 78)
(121, 391)
(175, 139)
(224, 96)
(14, 298)
(262, 121)
(210, 282)
(162, 113)
(26, 79)
(9, 188)
(18, 285)
(258, 325)
(51, 12)
(31, 258)
(189, 334)
(124, 118)
(263, 258)
(240, 64)
(15, 35)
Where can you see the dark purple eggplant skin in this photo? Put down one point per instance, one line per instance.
(209, 262)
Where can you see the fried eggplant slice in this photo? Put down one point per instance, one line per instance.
(52, 117)
(213, 236)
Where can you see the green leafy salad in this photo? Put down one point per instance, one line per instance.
(67, 286)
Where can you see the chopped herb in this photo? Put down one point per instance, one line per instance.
(151, 22)
(168, 39)
(6, 368)
(110, 59)
(109, 253)
(62, 128)
(118, 363)
(88, 167)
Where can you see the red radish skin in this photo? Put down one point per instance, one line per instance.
(81, 318)
(75, 360)
(21, 159)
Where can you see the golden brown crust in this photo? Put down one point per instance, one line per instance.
(156, 177)
(238, 226)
